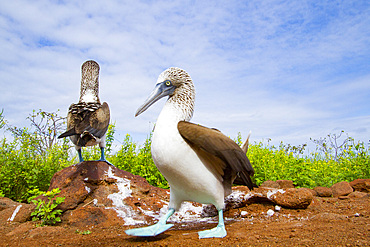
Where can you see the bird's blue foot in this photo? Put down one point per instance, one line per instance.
(218, 232)
(80, 156)
(102, 158)
(154, 230)
(149, 231)
(106, 161)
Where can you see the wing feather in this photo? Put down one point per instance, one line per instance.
(90, 121)
(217, 144)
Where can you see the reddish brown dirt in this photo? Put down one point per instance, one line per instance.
(326, 222)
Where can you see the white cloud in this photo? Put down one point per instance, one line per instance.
(286, 70)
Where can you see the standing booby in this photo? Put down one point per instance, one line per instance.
(88, 120)
(199, 163)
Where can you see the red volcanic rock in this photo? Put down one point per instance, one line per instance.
(285, 184)
(357, 194)
(270, 184)
(6, 203)
(362, 185)
(91, 215)
(97, 193)
(293, 198)
(290, 198)
(341, 189)
(323, 191)
(12, 211)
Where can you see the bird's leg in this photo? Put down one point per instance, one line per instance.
(218, 232)
(102, 158)
(153, 230)
(80, 155)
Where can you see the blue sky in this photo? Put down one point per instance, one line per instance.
(285, 70)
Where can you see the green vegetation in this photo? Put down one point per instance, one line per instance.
(46, 212)
(312, 170)
(29, 159)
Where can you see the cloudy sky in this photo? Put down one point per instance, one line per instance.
(285, 70)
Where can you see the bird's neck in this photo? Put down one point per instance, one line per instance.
(89, 92)
(182, 102)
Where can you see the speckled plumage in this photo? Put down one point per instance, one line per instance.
(88, 120)
(184, 95)
(89, 92)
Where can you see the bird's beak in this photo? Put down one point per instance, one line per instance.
(161, 90)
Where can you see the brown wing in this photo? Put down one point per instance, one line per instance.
(93, 121)
(217, 144)
(99, 121)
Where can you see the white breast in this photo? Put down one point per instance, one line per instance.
(89, 96)
(188, 177)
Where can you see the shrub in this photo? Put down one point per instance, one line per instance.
(312, 170)
(46, 212)
(23, 168)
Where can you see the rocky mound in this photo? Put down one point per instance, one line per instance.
(99, 194)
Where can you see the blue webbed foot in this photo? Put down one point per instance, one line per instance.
(102, 158)
(154, 230)
(218, 232)
(149, 231)
(106, 161)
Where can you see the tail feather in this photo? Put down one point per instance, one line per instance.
(245, 145)
(70, 132)
(85, 138)
(243, 178)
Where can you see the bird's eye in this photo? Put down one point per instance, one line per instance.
(168, 83)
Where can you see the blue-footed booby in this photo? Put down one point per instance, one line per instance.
(88, 120)
(199, 163)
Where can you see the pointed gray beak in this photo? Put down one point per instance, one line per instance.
(161, 90)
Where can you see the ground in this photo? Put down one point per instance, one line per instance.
(326, 222)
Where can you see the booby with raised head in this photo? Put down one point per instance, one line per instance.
(199, 163)
(88, 120)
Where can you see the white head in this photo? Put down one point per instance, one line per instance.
(177, 84)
